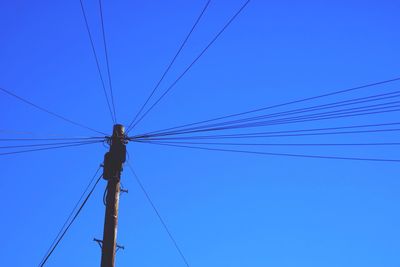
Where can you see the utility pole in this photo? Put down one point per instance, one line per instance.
(113, 161)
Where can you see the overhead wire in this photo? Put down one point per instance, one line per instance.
(97, 61)
(305, 118)
(247, 136)
(44, 145)
(158, 215)
(342, 113)
(49, 112)
(70, 215)
(348, 111)
(61, 236)
(284, 144)
(53, 139)
(276, 154)
(291, 112)
(280, 105)
(191, 64)
(49, 148)
(171, 63)
(316, 117)
(107, 60)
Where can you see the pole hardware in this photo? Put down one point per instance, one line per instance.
(100, 242)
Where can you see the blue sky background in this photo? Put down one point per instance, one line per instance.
(223, 209)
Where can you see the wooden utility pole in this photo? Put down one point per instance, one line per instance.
(113, 161)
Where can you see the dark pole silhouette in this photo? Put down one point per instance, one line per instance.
(113, 162)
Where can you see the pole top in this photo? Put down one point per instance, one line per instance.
(119, 130)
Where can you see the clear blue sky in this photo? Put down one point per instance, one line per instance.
(224, 209)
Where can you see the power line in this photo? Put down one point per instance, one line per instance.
(285, 133)
(158, 215)
(171, 63)
(281, 105)
(242, 136)
(51, 139)
(372, 111)
(69, 225)
(277, 154)
(283, 144)
(308, 118)
(364, 110)
(49, 112)
(107, 61)
(71, 214)
(270, 132)
(191, 64)
(48, 148)
(46, 144)
(294, 112)
(97, 61)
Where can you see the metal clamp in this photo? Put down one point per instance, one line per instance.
(100, 242)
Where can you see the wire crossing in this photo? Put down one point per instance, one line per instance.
(107, 60)
(374, 98)
(113, 118)
(360, 111)
(290, 133)
(191, 64)
(171, 63)
(342, 91)
(221, 134)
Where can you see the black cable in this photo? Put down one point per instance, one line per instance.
(71, 213)
(338, 115)
(191, 64)
(171, 63)
(266, 133)
(49, 112)
(280, 105)
(97, 61)
(47, 148)
(295, 111)
(69, 225)
(46, 144)
(319, 107)
(277, 154)
(107, 61)
(158, 215)
(284, 144)
(364, 110)
(51, 139)
(299, 119)
(242, 136)
(262, 123)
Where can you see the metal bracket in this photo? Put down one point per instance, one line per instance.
(100, 242)
(119, 247)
